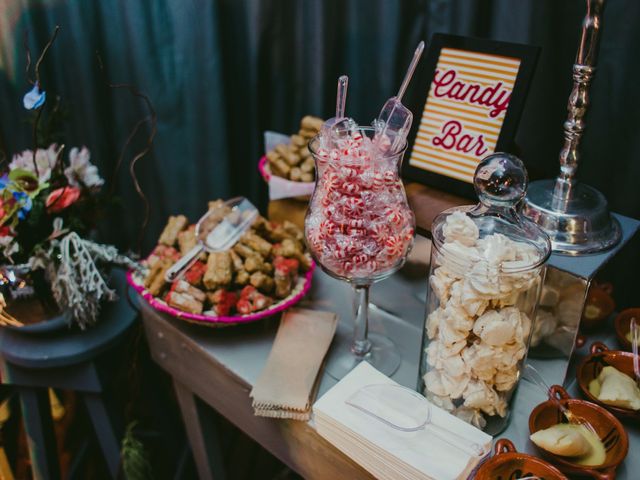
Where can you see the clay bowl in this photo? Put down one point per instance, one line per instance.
(591, 367)
(507, 463)
(622, 324)
(606, 425)
(598, 306)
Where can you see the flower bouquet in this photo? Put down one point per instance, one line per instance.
(49, 206)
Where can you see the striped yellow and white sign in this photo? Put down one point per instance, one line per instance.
(464, 112)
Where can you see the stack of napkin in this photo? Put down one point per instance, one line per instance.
(389, 453)
(286, 387)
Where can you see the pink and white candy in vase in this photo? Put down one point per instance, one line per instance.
(359, 225)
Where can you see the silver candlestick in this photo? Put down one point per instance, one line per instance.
(574, 215)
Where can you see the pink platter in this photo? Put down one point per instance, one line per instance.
(299, 290)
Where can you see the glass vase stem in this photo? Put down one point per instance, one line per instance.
(361, 344)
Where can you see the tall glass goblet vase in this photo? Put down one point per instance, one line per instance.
(359, 228)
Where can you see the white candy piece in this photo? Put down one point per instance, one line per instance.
(454, 366)
(459, 227)
(433, 383)
(457, 318)
(497, 248)
(480, 395)
(449, 334)
(441, 283)
(464, 296)
(505, 380)
(443, 402)
(495, 329)
(455, 385)
(433, 322)
(482, 361)
(485, 280)
(443, 385)
(471, 415)
(458, 258)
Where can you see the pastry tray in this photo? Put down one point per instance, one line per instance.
(302, 286)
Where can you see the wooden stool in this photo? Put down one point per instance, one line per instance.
(70, 360)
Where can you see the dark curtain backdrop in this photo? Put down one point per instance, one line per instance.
(219, 72)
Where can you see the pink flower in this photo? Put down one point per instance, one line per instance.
(61, 198)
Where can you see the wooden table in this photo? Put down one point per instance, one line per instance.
(217, 367)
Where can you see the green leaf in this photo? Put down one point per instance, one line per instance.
(20, 173)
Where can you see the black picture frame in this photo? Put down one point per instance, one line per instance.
(528, 56)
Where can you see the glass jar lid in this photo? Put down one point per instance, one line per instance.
(493, 230)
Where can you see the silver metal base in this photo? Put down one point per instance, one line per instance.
(578, 225)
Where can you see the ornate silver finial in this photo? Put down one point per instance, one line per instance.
(583, 71)
(574, 215)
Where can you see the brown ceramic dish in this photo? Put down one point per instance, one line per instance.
(623, 322)
(507, 463)
(591, 367)
(598, 306)
(608, 427)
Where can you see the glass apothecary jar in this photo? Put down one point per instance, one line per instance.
(487, 269)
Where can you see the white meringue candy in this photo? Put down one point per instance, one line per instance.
(521, 322)
(457, 318)
(482, 361)
(433, 383)
(450, 335)
(443, 385)
(502, 407)
(525, 251)
(505, 380)
(440, 283)
(509, 355)
(466, 297)
(458, 258)
(496, 329)
(454, 348)
(443, 402)
(485, 280)
(454, 366)
(433, 322)
(459, 227)
(434, 354)
(525, 324)
(479, 394)
(506, 300)
(497, 248)
(523, 280)
(471, 415)
(454, 385)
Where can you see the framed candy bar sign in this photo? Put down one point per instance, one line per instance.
(469, 97)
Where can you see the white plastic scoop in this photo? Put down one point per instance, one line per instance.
(395, 119)
(216, 231)
(331, 127)
(405, 410)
